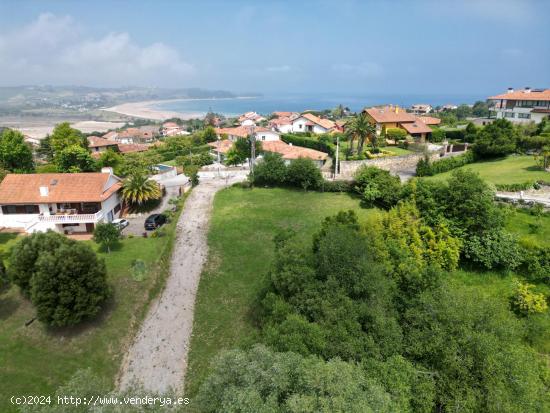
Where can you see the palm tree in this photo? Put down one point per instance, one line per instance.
(137, 188)
(361, 129)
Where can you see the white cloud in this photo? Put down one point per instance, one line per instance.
(279, 69)
(52, 49)
(363, 69)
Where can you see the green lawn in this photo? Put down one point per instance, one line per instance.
(519, 222)
(510, 170)
(243, 224)
(35, 360)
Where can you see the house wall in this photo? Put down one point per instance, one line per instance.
(516, 111)
(299, 125)
(267, 136)
(285, 128)
(108, 205)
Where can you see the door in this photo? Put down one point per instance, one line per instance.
(90, 227)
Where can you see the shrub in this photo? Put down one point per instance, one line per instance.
(395, 133)
(106, 234)
(438, 135)
(496, 249)
(536, 262)
(427, 168)
(525, 302)
(4, 279)
(515, 187)
(270, 171)
(496, 139)
(337, 186)
(309, 142)
(455, 134)
(377, 187)
(303, 173)
(65, 280)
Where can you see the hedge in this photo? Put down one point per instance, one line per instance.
(455, 134)
(310, 143)
(427, 168)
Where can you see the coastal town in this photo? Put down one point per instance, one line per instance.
(288, 208)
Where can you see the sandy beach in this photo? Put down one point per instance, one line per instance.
(38, 129)
(146, 111)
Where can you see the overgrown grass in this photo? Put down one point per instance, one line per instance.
(513, 169)
(529, 227)
(242, 227)
(35, 360)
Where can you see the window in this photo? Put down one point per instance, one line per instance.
(300, 126)
(524, 115)
(263, 137)
(20, 209)
(509, 115)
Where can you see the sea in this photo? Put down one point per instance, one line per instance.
(267, 104)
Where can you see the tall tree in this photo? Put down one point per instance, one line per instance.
(64, 136)
(360, 129)
(74, 158)
(15, 153)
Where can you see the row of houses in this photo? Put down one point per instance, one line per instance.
(98, 145)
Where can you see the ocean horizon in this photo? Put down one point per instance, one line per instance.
(302, 102)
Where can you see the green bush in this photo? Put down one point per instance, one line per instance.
(496, 139)
(309, 142)
(377, 187)
(515, 187)
(525, 302)
(270, 171)
(427, 168)
(395, 133)
(303, 173)
(64, 279)
(337, 186)
(438, 135)
(494, 249)
(536, 263)
(455, 134)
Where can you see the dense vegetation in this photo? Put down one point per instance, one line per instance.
(372, 300)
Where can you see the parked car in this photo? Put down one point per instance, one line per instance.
(120, 223)
(154, 221)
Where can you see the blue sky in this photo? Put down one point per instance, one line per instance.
(346, 46)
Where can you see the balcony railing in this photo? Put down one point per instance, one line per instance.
(68, 219)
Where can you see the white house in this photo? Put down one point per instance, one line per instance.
(250, 118)
(60, 202)
(311, 123)
(521, 106)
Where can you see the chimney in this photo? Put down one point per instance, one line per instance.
(107, 170)
(527, 89)
(44, 191)
(510, 90)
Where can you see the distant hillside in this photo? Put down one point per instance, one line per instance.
(85, 98)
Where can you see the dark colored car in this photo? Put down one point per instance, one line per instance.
(154, 221)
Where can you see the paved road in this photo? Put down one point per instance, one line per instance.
(157, 359)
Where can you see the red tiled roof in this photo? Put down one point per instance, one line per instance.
(430, 120)
(241, 131)
(78, 187)
(225, 145)
(170, 125)
(97, 142)
(132, 147)
(293, 152)
(284, 114)
(543, 95)
(416, 127)
(390, 114)
(325, 123)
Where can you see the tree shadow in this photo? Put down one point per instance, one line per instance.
(116, 246)
(145, 207)
(86, 325)
(8, 306)
(534, 168)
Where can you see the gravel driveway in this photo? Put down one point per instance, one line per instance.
(157, 359)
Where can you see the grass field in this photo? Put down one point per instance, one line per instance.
(511, 170)
(241, 250)
(35, 360)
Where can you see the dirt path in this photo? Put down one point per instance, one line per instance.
(157, 359)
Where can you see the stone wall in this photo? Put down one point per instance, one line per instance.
(394, 164)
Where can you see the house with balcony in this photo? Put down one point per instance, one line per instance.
(522, 106)
(62, 202)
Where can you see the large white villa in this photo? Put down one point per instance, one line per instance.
(67, 203)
